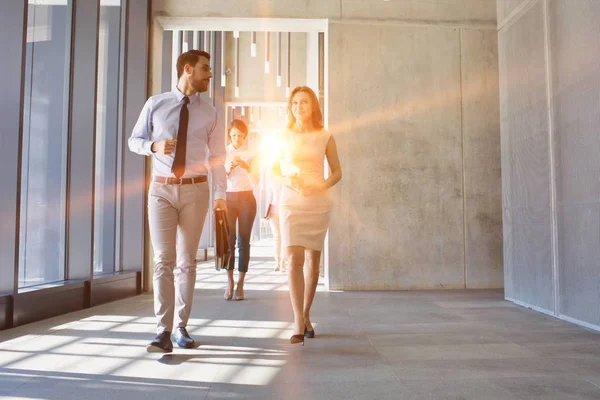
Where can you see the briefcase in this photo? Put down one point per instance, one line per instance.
(222, 240)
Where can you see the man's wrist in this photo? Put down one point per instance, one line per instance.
(219, 196)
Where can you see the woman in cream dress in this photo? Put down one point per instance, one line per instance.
(304, 203)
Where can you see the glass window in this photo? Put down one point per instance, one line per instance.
(107, 106)
(44, 152)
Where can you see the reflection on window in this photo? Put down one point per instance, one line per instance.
(44, 156)
(107, 105)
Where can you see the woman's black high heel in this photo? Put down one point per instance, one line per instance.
(309, 334)
(297, 339)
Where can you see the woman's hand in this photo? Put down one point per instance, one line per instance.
(231, 165)
(241, 163)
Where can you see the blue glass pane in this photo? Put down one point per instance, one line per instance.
(107, 106)
(44, 156)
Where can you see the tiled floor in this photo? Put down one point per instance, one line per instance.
(369, 345)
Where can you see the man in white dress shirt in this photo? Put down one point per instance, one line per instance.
(180, 131)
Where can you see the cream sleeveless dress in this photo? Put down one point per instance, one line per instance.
(304, 219)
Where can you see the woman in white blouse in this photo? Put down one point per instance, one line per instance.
(241, 203)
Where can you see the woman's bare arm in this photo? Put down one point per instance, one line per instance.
(334, 163)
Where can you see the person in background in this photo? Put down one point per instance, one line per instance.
(242, 175)
(272, 215)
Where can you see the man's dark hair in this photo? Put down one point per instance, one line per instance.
(190, 57)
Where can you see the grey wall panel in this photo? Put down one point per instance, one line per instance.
(400, 137)
(528, 272)
(579, 255)
(133, 174)
(12, 35)
(480, 11)
(576, 119)
(83, 126)
(528, 171)
(481, 158)
(525, 160)
(508, 238)
(575, 61)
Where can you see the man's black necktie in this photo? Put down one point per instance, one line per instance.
(179, 162)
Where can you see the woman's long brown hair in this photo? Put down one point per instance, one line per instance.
(317, 116)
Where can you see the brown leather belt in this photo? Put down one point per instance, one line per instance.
(179, 181)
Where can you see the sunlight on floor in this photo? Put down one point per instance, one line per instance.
(108, 343)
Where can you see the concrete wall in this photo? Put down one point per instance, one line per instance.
(549, 57)
(481, 158)
(418, 134)
(413, 103)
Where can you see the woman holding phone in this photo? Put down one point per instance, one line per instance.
(241, 204)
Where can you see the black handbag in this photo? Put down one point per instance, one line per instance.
(222, 240)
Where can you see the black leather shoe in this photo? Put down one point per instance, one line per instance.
(161, 344)
(183, 339)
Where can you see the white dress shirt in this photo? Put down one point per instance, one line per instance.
(159, 120)
(239, 179)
